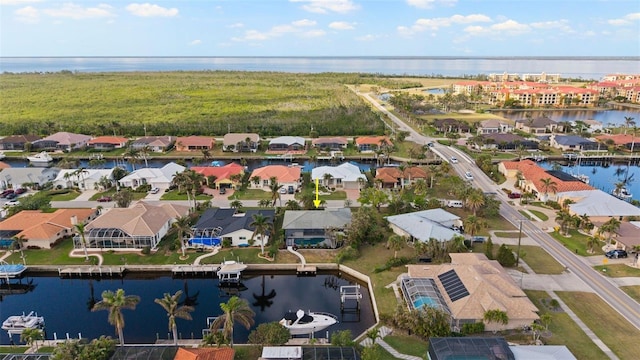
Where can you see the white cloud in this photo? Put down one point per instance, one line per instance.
(367, 37)
(18, 2)
(313, 33)
(304, 22)
(236, 25)
(341, 25)
(327, 6)
(151, 10)
(195, 42)
(625, 20)
(428, 4)
(77, 12)
(562, 25)
(436, 23)
(29, 15)
(511, 27)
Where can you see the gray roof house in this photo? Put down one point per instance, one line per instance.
(287, 143)
(309, 227)
(241, 142)
(16, 177)
(424, 225)
(155, 143)
(347, 176)
(216, 225)
(573, 142)
(539, 125)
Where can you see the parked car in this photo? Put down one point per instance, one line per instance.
(6, 192)
(20, 191)
(283, 190)
(105, 199)
(614, 254)
(223, 191)
(291, 189)
(12, 203)
(454, 160)
(11, 196)
(155, 190)
(515, 195)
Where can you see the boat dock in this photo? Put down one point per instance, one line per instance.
(92, 271)
(350, 293)
(191, 270)
(230, 271)
(10, 271)
(303, 269)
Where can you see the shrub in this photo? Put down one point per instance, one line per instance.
(146, 250)
(226, 243)
(475, 328)
(505, 256)
(348, 253)
(391, 263)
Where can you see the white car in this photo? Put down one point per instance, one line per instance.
(12, 203)
(283, 190)
(454, 160)
(155, 190)
(468, 175)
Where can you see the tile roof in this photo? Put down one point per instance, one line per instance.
(373, 140)
(392, 174)
(234, 138)
(220, 172)
(620, 139)
(541, 122)
(489, 285)
(284, 174)
(155, 140)
(195, 140)
(67, 138)
(287, 140)
(222, 353)
(19, 139)
(534, 173)
(330, 140)
(4, 165)
(346, 172)
(115, 140)
(142, 219)
(36, 225)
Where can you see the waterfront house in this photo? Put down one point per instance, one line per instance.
(85, 179)
(573, 143)
(107, 143)
(141, 225)
(450, 125)
(218, 225)
(485, 347)
(195, 143)
(427, 224)
(221, 353)
(397, 177)
(470, 286)
(44, 230)
(330, 143)
(241, 142)
(227, 176)
(594, 126)
(540, 125)
(22, 177)
(154, 143)
(508, 141)
(345, 176)
(287, 176)
(622, 141)
(17, 142)
(63, 140)
(314, 227)
(597, 205)
(493, 126)
(160, 178)
(532, 177)
(287, 144)
(369, 144)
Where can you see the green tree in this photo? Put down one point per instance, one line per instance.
(592, 242)
(473, 224)
(123, 198)
(475, 200)
(80, 228)
(610, 227)
(396, 243)
(30, 336)
(171, 304)
(98, 349)
(548, 185)
(342, 338)
(505, 256)
(270, 334)
(234, 310)
(374, 197)
(115, 302)
(261, 227)
(183, 227)
(488, 248)
(495, 316)
(19, 242)
(274, 187)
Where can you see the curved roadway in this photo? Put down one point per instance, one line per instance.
(604, 287)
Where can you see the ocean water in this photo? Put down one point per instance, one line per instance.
(574, 67)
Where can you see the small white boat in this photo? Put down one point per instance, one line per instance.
(302, 323)
(230, 271)
(623, 193)
(40, 158)
(2, 155)
(16, 324)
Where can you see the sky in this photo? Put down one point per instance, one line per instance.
(320, 28)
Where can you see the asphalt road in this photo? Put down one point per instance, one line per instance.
(603, 286)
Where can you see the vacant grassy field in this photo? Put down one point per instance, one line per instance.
(540, 261)
(614, 330)
(633, 291)
(539, 214)
(565, 331)
(186, 103)
(618, 270)
(576, 241)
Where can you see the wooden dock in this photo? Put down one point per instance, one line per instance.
(306, 270)
(92, 271)
(191, 270)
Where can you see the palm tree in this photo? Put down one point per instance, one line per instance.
(475, 200)
(592, 242)
(473, 224)
(548, 185)
(30, 336)
(275, 190)
(235, 309)
(206, 155)
(183, 226)
(20, 241)
(256, 180)
(628, 122)
(132, 156)
(196, 180)
(261, 226)
(80, 228)
(236, 204)
(564, 219)
(610, 227)
(114, 302)
(395, 242)
(170, 303)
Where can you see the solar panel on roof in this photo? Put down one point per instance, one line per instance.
(453, 285)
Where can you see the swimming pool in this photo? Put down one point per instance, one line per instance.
(421, 301)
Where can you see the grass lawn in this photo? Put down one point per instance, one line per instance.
(112, 191)
(406, 344)
(525, 214)
(246, 255)
(334, 195)
(614, 330)
(58, 255)
(13, 349)
(174, 195)
(45, 349)
(509, 235)
(565, 331)
(251, 194)
(542, 216)
(618, 270)
(633, 291)
(72, 194)
(540, 261)
(574, 241)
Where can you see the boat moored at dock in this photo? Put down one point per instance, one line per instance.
(16, 324)
(303, 323)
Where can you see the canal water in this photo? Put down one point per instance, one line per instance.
(65, 304)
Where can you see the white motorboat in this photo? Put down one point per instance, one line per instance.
(302, 323)
(623, 193)
(40, 158)
(16, 324)
(230, 271)
(2, 155)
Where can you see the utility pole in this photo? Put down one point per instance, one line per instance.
(519, 239)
